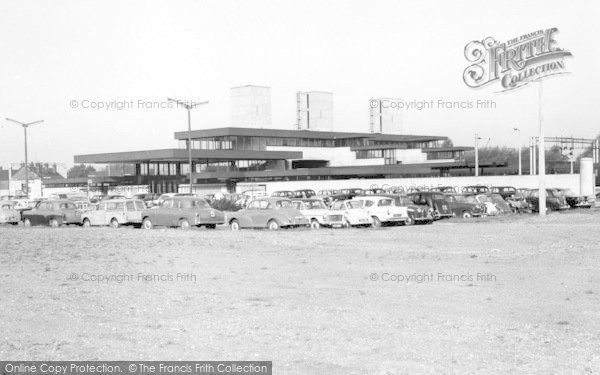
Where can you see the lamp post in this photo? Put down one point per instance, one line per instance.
(477, 138)
(189, 106)
(25, 126)
(541, 156)
(519, 148)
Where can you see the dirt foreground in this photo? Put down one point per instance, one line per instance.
(513, 294)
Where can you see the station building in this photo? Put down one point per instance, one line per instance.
(230, 155)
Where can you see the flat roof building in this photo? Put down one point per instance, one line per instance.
(229, 155)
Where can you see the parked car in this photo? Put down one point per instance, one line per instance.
(487, 203)
(518, 203)
(444, 189)
(318, 214)
(304, 193)
(53, 213)
(283, 194)
(476, 189)
(554, 200)
(417, 214)
(271, 213)
(576, 200)
(354, 213)
(351, 192)
(149, 199)
(464, 205)
(182, 212)
(327, 192)
(437, 201)
(501, 205)
(8, 213)
(114, 212)
(383, 210)
(504, 191)
(373, 191)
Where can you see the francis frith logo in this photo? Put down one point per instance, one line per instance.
(516, 62)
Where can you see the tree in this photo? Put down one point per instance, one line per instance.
(80, 170)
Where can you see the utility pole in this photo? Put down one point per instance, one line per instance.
(519, 148)
(25, 126)
(189, 106)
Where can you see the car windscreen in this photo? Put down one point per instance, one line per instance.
(354, 204)
(470, 199)
(460, 198)
(403, 201)
(314, 204)
(283, 204)
(196, 203)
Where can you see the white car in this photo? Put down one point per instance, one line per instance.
(318, 214)
(488, 204)
(354, 213)
(383, 210)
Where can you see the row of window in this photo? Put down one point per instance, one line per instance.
(170, 169)
(260, 143)
(440, 155)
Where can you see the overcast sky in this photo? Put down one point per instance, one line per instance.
(60, 51)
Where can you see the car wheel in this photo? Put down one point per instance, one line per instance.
(211, 226)
(27, 223)
(409, 221)
(314, 224)
(376, 222)
(114, 223)
(184, 224)
(273, 225)
(53, 223)
(86, 223)
(147, 223)
(234, 225)
(466, 215)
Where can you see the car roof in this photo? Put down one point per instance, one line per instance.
(272, 199)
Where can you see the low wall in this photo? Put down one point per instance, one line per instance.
(568, 181)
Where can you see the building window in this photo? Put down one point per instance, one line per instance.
(369, 154)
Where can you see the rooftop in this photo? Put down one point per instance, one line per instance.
(285, 133)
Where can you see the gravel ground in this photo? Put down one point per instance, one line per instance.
(313, 302)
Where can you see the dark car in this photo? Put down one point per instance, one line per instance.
(575, 200)
(555, 201)
(182, 212)
(417, 214)
(53, 213)
(464, 205)
(437, 201)
(351, 192)
(504, 191)
(304, 193)
(475, 189)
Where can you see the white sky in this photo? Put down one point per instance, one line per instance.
(55, 52)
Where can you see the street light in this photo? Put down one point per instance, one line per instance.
(477, 138)
(189, 106)
(519, 147)
(25, 126)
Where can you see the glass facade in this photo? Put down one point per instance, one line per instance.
(260, 143)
